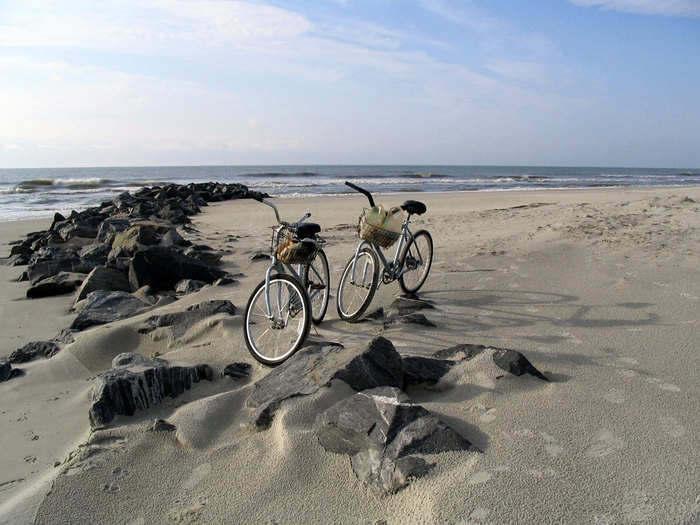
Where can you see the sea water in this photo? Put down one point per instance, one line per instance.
(26, 193)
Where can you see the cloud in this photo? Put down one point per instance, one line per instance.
(681, 8)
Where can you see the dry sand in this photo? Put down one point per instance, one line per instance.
(599, 288)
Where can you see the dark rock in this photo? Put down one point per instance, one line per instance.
(206, 256)
(104, 307)
(110, 227)
(5, 370)
(225, 281)
(180, 322)
(376, 314)
(237, 370)
(63, 261)
(137, 236)
(414, 318)
(103, 278)
(63, 282)
(97, 252)
(162, 268)
(460, 352)
(409, 303)
(315, 366)
(137, 383)
(161, 425)
(23, 277)
(67, 230)
(187, 286)
(32, 350)
(424, 370)
(381, 429)
(64, 337)
(57, 217)
(260, 256)
(516, 363)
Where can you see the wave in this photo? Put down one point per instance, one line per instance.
(36, 184)
(276, 174)
(521, 178)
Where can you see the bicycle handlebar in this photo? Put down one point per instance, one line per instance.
(363, 191)
(277, 215)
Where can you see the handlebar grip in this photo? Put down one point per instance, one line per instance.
(361, 190)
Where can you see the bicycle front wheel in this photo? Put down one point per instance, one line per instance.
(271, 339)
(317, 278)
(355, 292)
(416, 261)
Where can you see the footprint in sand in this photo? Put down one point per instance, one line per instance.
(488, 416)
(198, 475)
(542, 473)
(672, 427)
(477, 517)
(553, 448)
(603, 444)
(628, 360)
(614, 395)
(626, 372)
(483, 476)
(669, 387)
(636, 507)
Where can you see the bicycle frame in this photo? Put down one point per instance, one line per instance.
(392, 267)
(281, 267)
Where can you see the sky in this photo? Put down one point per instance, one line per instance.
(194, 82)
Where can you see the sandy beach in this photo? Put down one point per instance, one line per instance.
(599, 289)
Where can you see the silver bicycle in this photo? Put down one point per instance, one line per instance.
(410, 265)
(293, 294)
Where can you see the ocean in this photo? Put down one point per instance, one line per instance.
(27, 193)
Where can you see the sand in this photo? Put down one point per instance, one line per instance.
(598, 288)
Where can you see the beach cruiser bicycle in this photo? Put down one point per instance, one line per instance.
(293, 294)
(363, 274)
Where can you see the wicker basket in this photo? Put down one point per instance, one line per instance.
(291, 250)
(375, 234)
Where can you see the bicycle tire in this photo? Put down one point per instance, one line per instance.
(355, 315)
(402, 282)
(317, 316)
(302, 329)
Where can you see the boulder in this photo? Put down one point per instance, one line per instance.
(173, 238)
(97, 251)
(381, 429)
(138, 235)
(110, 227)
(207, 256)
(180, 322)
(62, 282)
(405, 309)
(187, 286)
(103, 307)
(460, 352)
(318, 364)
(162, 268)
(103, 278)
(32, 350)
(5, 370)
(137, 383)
(419, 370)
(39, 270)
(516, 363)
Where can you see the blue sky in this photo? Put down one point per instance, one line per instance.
(538, 82)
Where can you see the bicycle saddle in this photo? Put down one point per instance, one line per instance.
(308, 230)
(412, 207)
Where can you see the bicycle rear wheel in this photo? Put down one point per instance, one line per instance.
(417, 259)
(317, 278)
(355, 294)
(272, 341)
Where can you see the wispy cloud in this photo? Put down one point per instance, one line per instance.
(681, 8)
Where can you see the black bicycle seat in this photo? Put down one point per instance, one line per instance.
(308, 230)
(412, 207)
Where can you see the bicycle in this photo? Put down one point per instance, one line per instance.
(282, 306)
(410, 266)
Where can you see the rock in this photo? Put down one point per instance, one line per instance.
(5, 370)
(137, 383)
(68, 229)
(460, 352)
(237, 370)
(62, 282)
(259, 256)
(180, 322)
(225, 281)
(57, 217)
(134, 238)
(110, 227)
(162, 268)
(409, 303)
(207, 256)
(315, 366)
(145, 293)
(173, 238)
(103, 278)
(187, 286)
(32, 350)
(381, 429)
(96, 251)
(161, 425)
(104, 307)
(425, 370)
(414, 318)
(63, 262)
(64, 337)
(516, 363)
